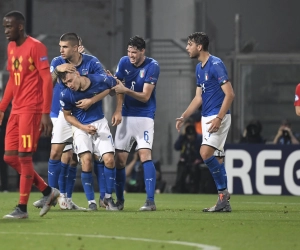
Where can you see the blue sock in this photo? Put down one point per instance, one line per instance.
(71, 181)
(99, 171)
(62, 180)
(110, 178)
(215, 169)
(150, 179)
(120, 183)
(54, 167)
(223, 171)
(88, 186)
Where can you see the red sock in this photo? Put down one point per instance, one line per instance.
(26, 179)
(13, 161)
(39, 182)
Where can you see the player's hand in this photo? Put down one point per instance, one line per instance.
(214, 125)
(66, 67)
(80, 49)
(1, 117)
(90, 129)
(109, 73)
(46, 125)
(120, 88)
(179, 123)
(84, 104)
(116, 118)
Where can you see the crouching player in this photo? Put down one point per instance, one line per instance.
(91, 133)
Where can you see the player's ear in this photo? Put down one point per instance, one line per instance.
(21, 27)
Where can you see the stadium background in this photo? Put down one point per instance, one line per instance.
(258, 41)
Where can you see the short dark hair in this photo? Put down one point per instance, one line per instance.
(73, 38)
(200, 38)
(17, 15)
(137, 42)
(62, 75)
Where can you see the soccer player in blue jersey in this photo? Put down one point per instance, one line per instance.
(90, 129)
(140, 75)
(215, 93)
(62, 164)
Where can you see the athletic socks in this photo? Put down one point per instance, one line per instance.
(150, 179)
(62, 179)
(87, 184)
(26, 179)
(54, 168)
(13, 161)
(223, 171)
(120, 183)
(217, 171)
(72, 171)
(99, 171)
(110, 177)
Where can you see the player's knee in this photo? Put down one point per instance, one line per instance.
(109, 161)
(55, 154)
(10, 159)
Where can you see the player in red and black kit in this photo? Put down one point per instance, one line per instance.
(30, 89)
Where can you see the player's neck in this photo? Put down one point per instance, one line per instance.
(203, 58)
(140, 62)
(84, 83)
(21, 40)
(76, 60)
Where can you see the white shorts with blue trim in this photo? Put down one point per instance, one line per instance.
(217, 139)
(98, 144)
(62, 131)
(131, 129)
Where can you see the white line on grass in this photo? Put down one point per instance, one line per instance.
(183, 243)
(270, 203)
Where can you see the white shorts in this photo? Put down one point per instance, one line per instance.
(62, 131)
(98, 144)
(216, 140)
(131, 129)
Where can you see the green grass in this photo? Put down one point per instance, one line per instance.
(257, 222)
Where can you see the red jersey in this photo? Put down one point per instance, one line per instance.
(24, 63)
(297, 95)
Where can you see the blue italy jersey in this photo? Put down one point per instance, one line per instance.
(68, 98)
(89, 65)
(135, 78)
(210, 78)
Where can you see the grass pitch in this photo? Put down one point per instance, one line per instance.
(256, 222)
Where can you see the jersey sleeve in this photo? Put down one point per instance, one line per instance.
(97, 67)
(40, 56)
(105, 81)
(220, 72)
(297, 95)
(152, 73)
(54, 63)
(198, 81)
(65, 99)
(120, 69)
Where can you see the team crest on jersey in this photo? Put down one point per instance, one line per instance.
(142, 73)
(206, 76)
(84, 72)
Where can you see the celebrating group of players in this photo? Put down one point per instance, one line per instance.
(70, 91)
